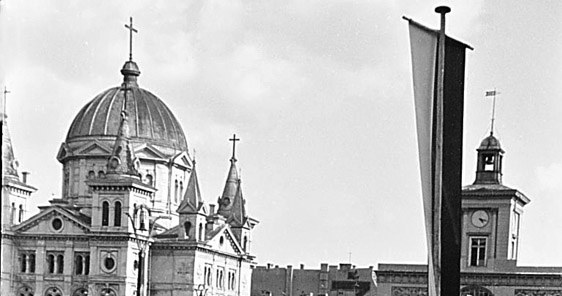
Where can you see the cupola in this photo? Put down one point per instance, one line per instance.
(489, 163)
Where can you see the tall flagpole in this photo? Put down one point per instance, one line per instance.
(438, 151)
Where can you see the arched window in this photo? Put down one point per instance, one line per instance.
(91, 174)
(60, 264)
(475, 291)
(51, 263)
(200, 231)
(13, 213)
(23, 262)
(149, 179)
(53, 292)
(87, 265)
(117, 214)
(81, 292)
(176, 191)
(187, 227)
(107, 292)
(25, 291)
(32, 263)
(101, 174)
(181, 190)
(141, 220)
(105, 213)
(20, 214)
(79, 264)
(245, 243)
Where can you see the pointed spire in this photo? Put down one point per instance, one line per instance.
(9, 162)
(122, 160)
(238, 211)
(229, 191)
(192, 197)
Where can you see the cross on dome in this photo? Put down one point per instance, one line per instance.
(131, 30)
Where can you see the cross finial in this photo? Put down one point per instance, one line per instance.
(131, 30)
(234, 140)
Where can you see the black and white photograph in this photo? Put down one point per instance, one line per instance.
(281, 148)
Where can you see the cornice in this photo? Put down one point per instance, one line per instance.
(482, 279)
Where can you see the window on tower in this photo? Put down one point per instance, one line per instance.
(117, 214)
(489, 162)
(477, 251)
(105, 213)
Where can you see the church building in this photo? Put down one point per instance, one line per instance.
(131, 219)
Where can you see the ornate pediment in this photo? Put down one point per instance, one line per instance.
(147, 151)
(182, 159)
(93, 148)
(54, 221)
(224, 241)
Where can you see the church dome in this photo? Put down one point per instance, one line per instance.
(150, 120)
(490, 143)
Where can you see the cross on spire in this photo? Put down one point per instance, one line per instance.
(131, 30)
(234, 140)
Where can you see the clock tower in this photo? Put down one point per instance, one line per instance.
(491, 215)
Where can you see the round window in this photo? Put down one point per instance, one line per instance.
(57, 224)
(109, 263)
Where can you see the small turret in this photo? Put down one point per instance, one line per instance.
(489, 163)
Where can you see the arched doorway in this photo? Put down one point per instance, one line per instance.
(475, 291)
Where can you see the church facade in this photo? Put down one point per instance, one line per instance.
(131, 219)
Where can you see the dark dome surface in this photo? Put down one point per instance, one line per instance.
(150, 120)
(490, 142)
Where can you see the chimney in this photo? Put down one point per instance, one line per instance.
(24, 176)
(302, 266)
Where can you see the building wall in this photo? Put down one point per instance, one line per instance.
(328, 280)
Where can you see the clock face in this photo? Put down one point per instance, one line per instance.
(480, 218)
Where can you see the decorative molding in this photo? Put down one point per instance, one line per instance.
(482, 279)
(409, 291)
(537, 292)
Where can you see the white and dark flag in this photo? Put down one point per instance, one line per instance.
(440, 151)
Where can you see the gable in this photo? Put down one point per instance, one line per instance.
(182, 159)
(63, 152)
(149, 152)
(53, 221)
(93, 148)
(224, 241)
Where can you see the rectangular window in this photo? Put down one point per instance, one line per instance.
(478, 251)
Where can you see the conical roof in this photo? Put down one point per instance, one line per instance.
(9, 162)
(122, 160)
(192, 197)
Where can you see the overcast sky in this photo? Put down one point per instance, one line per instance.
(320, 92)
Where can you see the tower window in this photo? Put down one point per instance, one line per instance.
(149, 179)
(489, 160)
(187, 227)
(60, 264)
(245, 243)
(20, 214)
(101, 174)
(200, 231)
(13, 213)
(477, 251)
(117, 214)
(82, 264)
(176, 191)
(105, 213)
(141, 220)
(181, 189)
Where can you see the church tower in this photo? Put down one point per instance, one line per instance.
(193, 211)
(491, 214)
(14, 200)
(232, 205)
